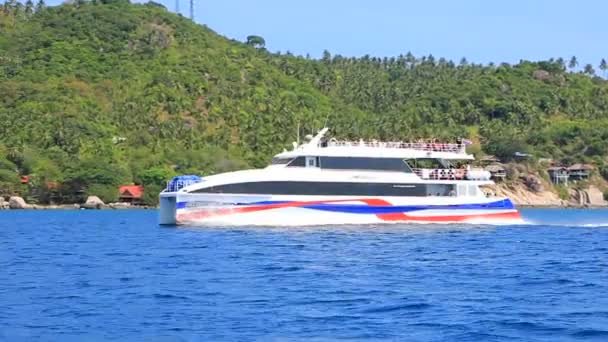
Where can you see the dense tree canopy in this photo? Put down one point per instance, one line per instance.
(100, 93)
(256, 41)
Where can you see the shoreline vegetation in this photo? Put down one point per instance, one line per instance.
(99, 94)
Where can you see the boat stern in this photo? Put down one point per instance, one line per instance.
(168, 209)
(168, 198)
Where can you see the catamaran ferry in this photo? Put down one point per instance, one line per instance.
(329, 181)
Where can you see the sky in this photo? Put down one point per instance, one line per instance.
(481, 30)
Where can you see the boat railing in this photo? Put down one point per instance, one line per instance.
(422, 146)
(173, 186)
(441, 174)
(179, 182)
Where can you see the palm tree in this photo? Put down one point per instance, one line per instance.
(10, 6)
(589, 70)
(410, 58)
(40, 5)
(573, 63)
(562, 64)
(29, 8)
(19, 10)
(603, 66)
(326, 57)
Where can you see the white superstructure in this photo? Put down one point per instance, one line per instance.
(331, 181)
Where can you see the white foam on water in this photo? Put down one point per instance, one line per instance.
(565, 224)
(296, 217)
(497, 222)
(593, 225)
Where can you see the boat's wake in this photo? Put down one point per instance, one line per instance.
(573, 218)
(307, 222)
(595, 225)
(566, 224)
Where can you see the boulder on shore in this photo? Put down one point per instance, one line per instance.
(120, 205)
(534, 183)
(93, 202)
(3, 203)
(16, 202)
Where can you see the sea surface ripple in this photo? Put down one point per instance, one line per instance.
(117, 275)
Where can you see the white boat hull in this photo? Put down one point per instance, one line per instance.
(181, 208)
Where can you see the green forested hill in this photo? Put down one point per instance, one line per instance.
(94, 94)
(529, 107)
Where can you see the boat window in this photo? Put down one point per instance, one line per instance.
(363, 163)
(337, 189)
(441, 190)
(281, 161)
(320, 188)
(298, 162)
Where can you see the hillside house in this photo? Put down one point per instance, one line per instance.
(558, 174)
(131, 194)
(489, 159)
(497, 171)
(580, 171)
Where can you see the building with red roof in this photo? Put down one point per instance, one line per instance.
(131, 193)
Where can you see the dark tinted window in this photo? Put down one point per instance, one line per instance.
(299, 161)
(362, 163)
(440, 190)
(330, 188)
(279, 161)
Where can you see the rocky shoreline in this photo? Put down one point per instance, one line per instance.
(93, 202)
(525, 195)
(522, 194)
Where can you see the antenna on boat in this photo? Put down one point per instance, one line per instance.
(315, 140)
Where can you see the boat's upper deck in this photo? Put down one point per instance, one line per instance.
(419, 146)
(321, 146)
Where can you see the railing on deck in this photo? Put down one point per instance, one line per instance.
(179, 182)
(441, 174)
(431, 147)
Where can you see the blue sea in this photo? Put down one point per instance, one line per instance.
(117, 275)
